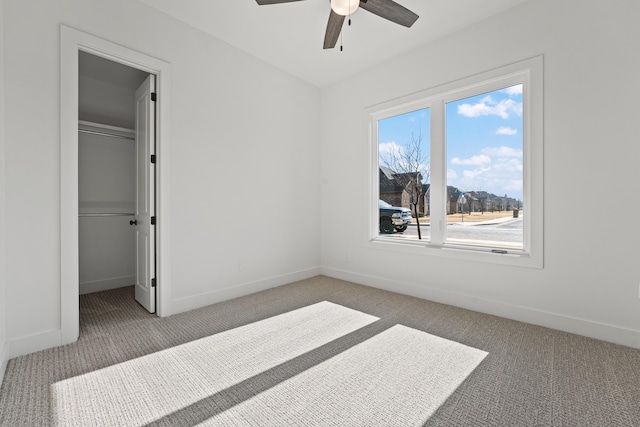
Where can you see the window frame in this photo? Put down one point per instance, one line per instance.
(529, 73)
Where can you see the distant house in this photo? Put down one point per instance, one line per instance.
(453, 194)
(394, 185)
(393, 189)
(479, 201)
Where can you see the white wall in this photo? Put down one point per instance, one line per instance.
(3, 319)
(244, 161)
(589, 283)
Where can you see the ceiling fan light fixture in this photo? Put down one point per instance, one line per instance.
(344, 7)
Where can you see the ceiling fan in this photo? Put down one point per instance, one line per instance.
(387, 9)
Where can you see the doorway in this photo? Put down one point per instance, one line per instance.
(73, 44)
(116, 178)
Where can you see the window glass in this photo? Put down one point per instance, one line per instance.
(403, 175)
(484, 169)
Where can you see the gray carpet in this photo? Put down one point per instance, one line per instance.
(319, 352)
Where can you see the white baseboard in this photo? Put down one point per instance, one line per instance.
(575, 325)
(49, 339)
(4, 359)
(208, 298)
(106, 284)
(33, 343)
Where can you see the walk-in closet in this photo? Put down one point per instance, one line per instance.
(107, 173)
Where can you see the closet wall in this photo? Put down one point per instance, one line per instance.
(106, 194)
(106, 173)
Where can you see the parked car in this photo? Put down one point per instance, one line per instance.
(393, 217)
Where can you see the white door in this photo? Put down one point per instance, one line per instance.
(145, 196)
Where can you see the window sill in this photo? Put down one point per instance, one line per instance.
(513, 257)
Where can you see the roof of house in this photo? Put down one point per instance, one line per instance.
(388, 182)
(391, 181)
(388, 173)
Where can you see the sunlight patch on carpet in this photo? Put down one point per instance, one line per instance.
(399, 377)
(142, 390)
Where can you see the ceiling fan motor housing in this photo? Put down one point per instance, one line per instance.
(387, 9)
(344, 7)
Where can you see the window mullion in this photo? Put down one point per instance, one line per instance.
(438, 174)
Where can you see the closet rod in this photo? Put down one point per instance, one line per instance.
(106, 134)
(106, 214)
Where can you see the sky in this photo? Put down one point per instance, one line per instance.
(483, 141)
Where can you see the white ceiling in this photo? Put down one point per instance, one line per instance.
(290, 35)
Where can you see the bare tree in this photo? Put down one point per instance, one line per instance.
(410, 164)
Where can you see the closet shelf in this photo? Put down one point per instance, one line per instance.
(105, 214)
(105, 130)
(110, 135)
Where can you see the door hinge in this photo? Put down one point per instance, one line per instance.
(153, 283)
(154, 97)
(153, 220)
(153, 158)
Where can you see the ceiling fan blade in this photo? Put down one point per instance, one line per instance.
(263, 2)
(388, 9)
(334, 26)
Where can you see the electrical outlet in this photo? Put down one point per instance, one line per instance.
(348, 257)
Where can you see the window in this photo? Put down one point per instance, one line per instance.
(483, 137)
(458, 168)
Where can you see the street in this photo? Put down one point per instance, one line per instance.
(508, 233)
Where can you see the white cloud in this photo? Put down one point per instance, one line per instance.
(389, 149)
(508, 166)
(488, 107)
(471, 174)
(497, 170)
(498, 179)
(483, 108)
(503, 130)
(502, 152)
(513, 90)
(482, 159)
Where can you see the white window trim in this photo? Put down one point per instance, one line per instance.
(530, 73)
